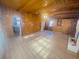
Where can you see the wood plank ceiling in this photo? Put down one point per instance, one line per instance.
(56, 8)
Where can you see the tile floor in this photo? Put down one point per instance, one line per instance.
(40, 45)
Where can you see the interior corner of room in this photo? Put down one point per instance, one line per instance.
(39, 29)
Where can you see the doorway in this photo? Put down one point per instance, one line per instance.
(17, 24)
(50, 24)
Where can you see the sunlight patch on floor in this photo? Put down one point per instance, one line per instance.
(28, 36)
(41, 46)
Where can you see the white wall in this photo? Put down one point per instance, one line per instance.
(3, 41)
(72, 48)
(42, 25)
(78, 43)
(3, 37)
(77, 31)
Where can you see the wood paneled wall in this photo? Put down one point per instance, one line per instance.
(68, 26)
(64, 27)
(6, 15)
(32, 23)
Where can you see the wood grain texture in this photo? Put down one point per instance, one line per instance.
(51, 6)
(32, 23)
